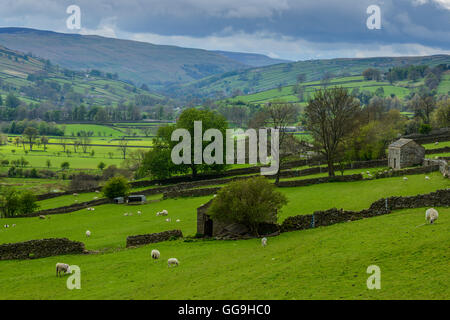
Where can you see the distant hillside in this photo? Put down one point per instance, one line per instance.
(279, 75)
(137, 61)
(36, 80)
(251, 59)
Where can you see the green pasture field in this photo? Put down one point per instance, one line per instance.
(436, 146)
(37, 186)
(322, 263)
(444, 85)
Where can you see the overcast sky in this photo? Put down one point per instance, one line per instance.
(289, 29)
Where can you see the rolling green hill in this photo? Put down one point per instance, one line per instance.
(132, 60)
(287, 94)
(269, 77)
(35, 80)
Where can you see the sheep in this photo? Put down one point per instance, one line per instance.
(88, 233)
(13, 225)
(97, 191)
(139, 212)
(178, 220)
(168, 220)
(264, 241)
(427, 178)
(75, 194)
(155, 254)
(431, 215)
(62, 267)
(172, 261)
(436, 143)
(6, 226)
(41, 217)
(164, 212)
(405, 179)
(125, 214)
(368, 172)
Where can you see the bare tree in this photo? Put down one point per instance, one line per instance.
(123, 147)
(279, 115)
(331, 116)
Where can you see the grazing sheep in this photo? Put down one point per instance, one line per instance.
(96, 191)
(6, 226)
(264, 242)
(178, 220)
(436, 143)
(155, 254)
(431, 215)
(168, 220)
(88, 233)
(139, 212)
(13, 225)
(405, 179)
(125, 214)
(75, 194)
(164, 212)
(427, 178)
(172, 261)
(41, 217)
(62, 267)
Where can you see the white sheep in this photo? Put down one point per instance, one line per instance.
(13, 225)
(88, 233)
(155, 254)
(178, 220)
(427, 178)
(405, 179)
(139, 212)
(75, 194)
(264, 241)
(168, 220)
(173, 261)
(164, 212)
(62, 267)
(6, 226)
(431, 215)
(96, 191)
(41, 217)
(436, 143)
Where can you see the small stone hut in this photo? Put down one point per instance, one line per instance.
(405, 153)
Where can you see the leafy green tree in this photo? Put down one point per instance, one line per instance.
(13, 202)
(12, 101)
(101, 166)
(30, 134)
(65, 165)
(249, 202)
(116, 187)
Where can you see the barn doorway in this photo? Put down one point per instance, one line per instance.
(395, 163)
(208, 227)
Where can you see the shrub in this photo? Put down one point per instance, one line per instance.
(13, 202)
(249, 202)
(116, 187)
(424, 128)
(5, 162)
(113, 171)
(47, 173)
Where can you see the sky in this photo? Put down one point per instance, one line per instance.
(286, 29)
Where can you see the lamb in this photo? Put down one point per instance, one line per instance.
(155, 254)
(264, 241)
(62, 267)
(431, 215)
(172, 261)
(88, 233)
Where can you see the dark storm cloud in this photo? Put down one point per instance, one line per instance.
(322, 24)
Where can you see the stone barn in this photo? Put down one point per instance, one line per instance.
(405, 153)
(206, 227)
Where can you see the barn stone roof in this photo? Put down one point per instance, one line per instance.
(400, 143)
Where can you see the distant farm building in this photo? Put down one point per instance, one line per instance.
(405, 153)
(137, 199)
(119, 200)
